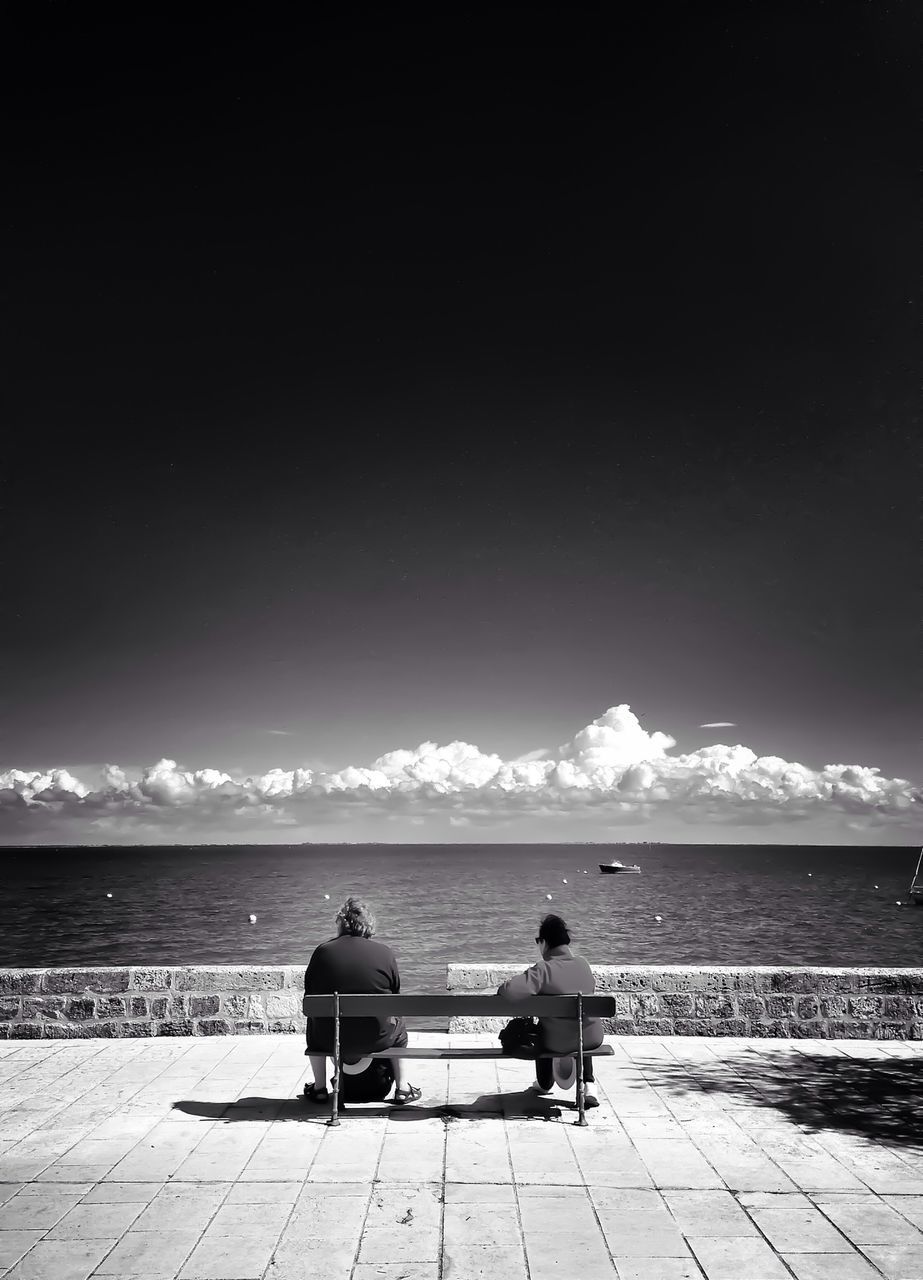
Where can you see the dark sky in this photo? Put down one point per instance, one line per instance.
(459, 377)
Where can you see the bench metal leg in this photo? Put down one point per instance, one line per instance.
(334, 1120)
(581, 1120)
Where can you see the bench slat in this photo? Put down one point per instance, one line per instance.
(461, 1006)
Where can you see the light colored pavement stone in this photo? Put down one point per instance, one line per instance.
(60, 1260)
(196, 1159)
(897, 1261)
(831, 1266)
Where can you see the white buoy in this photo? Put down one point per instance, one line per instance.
(874, 886)
(548, 896)
(898, 904)
(563, 882)
(810, 875)
(108, 895)
(326, 897)
(252, 919)
(658, 919)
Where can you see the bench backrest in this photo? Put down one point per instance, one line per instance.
(462, 1006)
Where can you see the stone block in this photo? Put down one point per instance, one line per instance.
(51, 1008)
(678, 1004)
(897, 1007)
(294, 977)
(835, 983)
(622, 1005)
(708, 1005)
(80, 981)
(751, 1006)
(110, 1007)
(178, 1006)
(25, 1030)
(775, 1029)
(204, 1006)
(80, 1010)
(654, 1027)
(175, 1027)
(646, 1006)
(137, 1006)
(20, 982)
(619, 1027)
(864, 1007)
(806, 1030)
(213, 1027)
(807, 1008)
(850, 1030)
(69, 1030)
(5, 1030)
(150, 979)
(890, 1031)
(286, 1025)
(134, 1030)
(834, 1007)
(259, 978)
(710, 1027)
(780, 1006)
(159, 1006)
(9, 1008)
(284, 1005)
(249, 1028)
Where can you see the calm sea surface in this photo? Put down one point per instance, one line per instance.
(442, 903)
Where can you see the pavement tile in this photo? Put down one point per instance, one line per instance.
(35, 1212)
(481, 1225)
(642, 1233)
(408, 1271)
(545, 1214)
(249, 1219)
(10, 1189)
(708, 1213)
(338, 1219)
(177, 1213)
(869, 1221)
(657, 1269)
(467, 1262)
(910, 1206)
(799, 1231)
(397, 1244)
(550, 1256)
(218, 1257)
(742, 1258)
(831, 1266)
(61, 1260)
(480, 1193)
(95, 1222)
(264, 1193)
(291, 1261)
(677, 1164)
(13, 1244)
(626, 1198)
(897, 1261)
(123, 1192)
(149, 1252)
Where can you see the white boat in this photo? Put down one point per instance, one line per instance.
(613, 867)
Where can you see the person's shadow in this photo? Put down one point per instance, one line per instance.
(522, 1105)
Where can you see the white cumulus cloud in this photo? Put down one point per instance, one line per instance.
(613, 770)
(718, 724)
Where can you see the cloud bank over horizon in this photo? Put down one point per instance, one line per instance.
(613, 771)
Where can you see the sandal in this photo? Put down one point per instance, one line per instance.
(314, 1094)
(410, 1094)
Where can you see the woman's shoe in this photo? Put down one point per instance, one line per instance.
(590, 1101)
(314, 1093)
(403, 1096)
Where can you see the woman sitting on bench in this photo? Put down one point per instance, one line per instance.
(352, 963)
(558, 973)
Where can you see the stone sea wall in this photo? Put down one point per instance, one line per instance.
(216, 1000)
(219, 1000)
(829, 1004)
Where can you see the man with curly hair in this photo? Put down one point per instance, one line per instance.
(354, 963)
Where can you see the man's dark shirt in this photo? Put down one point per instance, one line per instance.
(353, 966)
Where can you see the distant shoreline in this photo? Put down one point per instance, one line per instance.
(461, 844)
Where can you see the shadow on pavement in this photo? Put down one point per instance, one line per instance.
(489, 1106)
(877, 1098)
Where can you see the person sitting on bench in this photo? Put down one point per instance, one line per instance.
(353, 963)
(558, 973)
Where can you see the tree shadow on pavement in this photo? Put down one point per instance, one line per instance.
(876, 1098)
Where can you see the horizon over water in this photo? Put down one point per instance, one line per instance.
(720, 904)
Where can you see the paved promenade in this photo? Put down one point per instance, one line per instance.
(728, 1159)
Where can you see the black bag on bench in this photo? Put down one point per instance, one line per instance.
(371, 1085)
(519, 1037)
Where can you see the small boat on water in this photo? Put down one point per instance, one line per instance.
(916, 884)
(613, 867)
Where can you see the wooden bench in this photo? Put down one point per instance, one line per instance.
(578, 1007)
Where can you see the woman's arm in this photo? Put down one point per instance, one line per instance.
(523, 985)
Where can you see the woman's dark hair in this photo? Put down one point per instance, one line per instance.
(554, 932)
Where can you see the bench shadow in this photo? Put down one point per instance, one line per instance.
(873, 1098)
(525, 1105)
